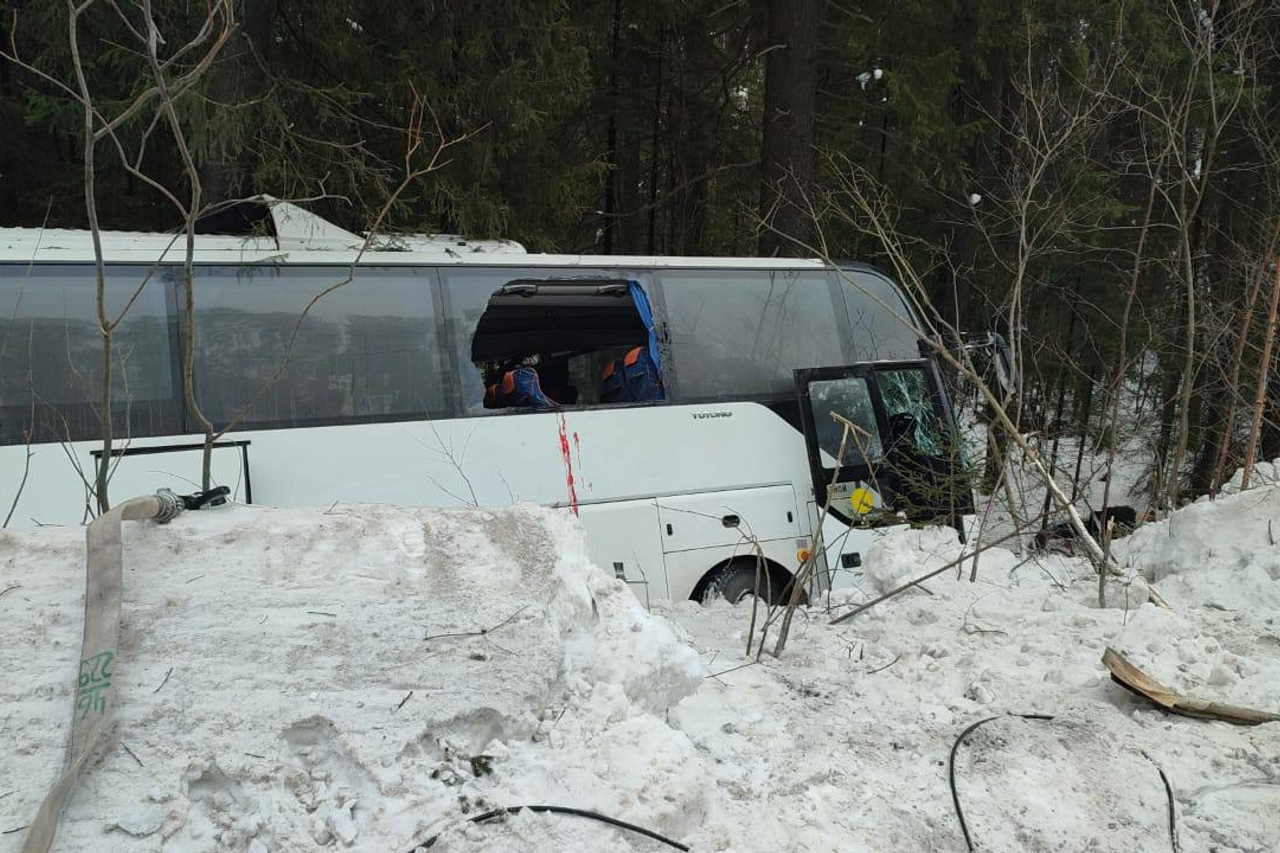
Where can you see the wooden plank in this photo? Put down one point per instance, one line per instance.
(1124, 673)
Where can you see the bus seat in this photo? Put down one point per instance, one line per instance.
(634, 378)
(518, 389)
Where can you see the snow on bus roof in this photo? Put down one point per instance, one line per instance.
(292, 229)
(301, 237)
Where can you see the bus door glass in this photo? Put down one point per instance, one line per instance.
(901, 458)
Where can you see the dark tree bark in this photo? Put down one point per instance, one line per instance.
(611, 155)
(234, 78)
(1270, 438)
(790, 92)
(630, 224)
(691, 140)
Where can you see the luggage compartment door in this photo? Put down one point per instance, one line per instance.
(623, 539)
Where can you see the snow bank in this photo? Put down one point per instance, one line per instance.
(1219, 553)
(1264, 474)
(902, 554)
(843, 743)
(1218, 564)
(279, 694)
(291, 680)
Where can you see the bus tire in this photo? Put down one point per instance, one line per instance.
(736, 580)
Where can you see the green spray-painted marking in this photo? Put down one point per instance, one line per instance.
(94, 682)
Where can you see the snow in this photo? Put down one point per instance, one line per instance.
(295, 639)
(1264, 473)
(1232, 656)
(277, 690)
(846, 737)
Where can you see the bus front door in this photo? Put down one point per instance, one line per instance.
(882, 444)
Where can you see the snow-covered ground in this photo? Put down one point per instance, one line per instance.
(277, 693)
(842, 744)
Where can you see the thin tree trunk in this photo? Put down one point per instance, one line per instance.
(655, 147)
(1269, 438)
(234, 80)
(1168, 392)
(102, 476)
(170, 114)
(1084, 437)
(1117, 387)
(1264, 370)
(1174, 484)
(1062, 395)
(1233, 382)
(629, 228)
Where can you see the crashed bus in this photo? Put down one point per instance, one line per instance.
(681, 407)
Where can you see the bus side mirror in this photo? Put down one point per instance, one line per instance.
(1006, 371)
(1002, 367)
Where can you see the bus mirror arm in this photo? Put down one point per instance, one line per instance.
(997, 348)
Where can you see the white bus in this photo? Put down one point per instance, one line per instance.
(679, 406)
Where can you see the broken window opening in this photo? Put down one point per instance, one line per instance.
(909, 404)
(543, 344)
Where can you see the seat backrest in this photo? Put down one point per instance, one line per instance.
(518, 389)
(634, 378)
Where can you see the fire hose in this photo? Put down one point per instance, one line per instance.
(94, 696)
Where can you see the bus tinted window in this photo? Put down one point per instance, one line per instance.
(366, 350)
(878, 319)
(742, 332)
(51, 354)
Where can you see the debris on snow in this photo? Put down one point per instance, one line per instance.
(1129, 676)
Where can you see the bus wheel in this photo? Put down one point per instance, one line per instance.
(736, 581)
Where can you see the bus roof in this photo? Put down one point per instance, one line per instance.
(301, 237)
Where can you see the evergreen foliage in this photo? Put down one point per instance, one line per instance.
(621, 126)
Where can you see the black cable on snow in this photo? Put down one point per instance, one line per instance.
(951, 777)
(951, 767)
(564, 810)
(955, 796)
(1168, 791)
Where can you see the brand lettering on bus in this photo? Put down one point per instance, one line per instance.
(698, 416)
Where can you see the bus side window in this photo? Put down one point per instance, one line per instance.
(879, 322)
(849, 397)
(741, 333)
(51, 354)
(366, 351)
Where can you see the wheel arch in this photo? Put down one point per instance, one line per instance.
(779, 576)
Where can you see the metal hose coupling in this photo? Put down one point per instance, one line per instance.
(170, 505)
